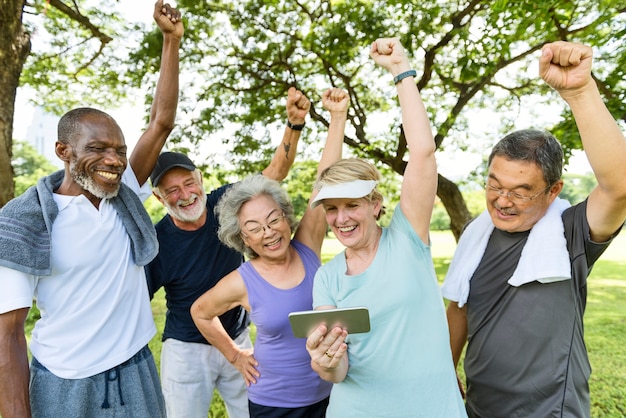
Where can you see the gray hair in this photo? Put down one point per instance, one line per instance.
(532, 146)
(230, 204)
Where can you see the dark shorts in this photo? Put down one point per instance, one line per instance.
(131, 389)
(317, 410)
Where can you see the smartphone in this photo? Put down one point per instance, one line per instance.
(354, 320)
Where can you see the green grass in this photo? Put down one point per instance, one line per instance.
(605, 323)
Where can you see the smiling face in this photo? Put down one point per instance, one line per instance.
(525, 179)
(182, 193)
(353, 221)
(97, 157)
(264, 228)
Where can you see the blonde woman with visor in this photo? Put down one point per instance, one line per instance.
(403, 366)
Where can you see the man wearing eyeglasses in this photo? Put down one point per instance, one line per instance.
(192, 260)
(518, 280)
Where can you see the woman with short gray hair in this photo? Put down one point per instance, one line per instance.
(229, 206)
(256, 218)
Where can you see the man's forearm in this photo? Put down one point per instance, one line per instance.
(457, 325)
(162, 114)
(284, 156)
(163, 111)
(14, 371)
(602, 139)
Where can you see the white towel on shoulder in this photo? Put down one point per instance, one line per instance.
(544, 257)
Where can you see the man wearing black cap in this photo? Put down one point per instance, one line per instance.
(192, 260)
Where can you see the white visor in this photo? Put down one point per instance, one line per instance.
(350, 190)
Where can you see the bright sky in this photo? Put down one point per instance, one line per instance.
(135, 11)
(453, 165)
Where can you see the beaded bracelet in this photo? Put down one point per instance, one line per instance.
(402, 76)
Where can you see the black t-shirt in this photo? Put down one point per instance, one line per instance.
(526, 355)
(188, 264)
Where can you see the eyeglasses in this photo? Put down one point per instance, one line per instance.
(259, 230)
(514, 197)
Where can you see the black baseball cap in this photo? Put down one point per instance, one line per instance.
(167, 161)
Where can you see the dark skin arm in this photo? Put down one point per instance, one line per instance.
(163, 111)
(14, 372)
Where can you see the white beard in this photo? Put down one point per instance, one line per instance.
(187, 215)
(88, 184)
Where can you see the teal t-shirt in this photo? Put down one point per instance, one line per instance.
(403, 366)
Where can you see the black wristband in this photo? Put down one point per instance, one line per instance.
(294, 127)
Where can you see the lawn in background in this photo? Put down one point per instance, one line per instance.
(605, 322)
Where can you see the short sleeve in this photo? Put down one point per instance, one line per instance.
(18, 289)
(128, 178)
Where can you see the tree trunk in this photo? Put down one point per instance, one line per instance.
(454, 203)
(14, 49)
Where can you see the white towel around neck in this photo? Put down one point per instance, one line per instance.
(544, 257)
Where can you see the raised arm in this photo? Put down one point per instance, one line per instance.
(566, 67)
(163, 111)
(14, 374)
(313, 225)
(227, 294)
(297, 108)
(419, 184)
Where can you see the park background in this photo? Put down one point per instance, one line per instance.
(605, 317)
(476, 63)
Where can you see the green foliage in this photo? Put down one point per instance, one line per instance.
(29, 166)
(79, 55)
(577, 187)
(239, 58)
(245, 54)
(155, 209)
(440, 221)
(475, 200)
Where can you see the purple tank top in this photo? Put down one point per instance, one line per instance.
(286, 380)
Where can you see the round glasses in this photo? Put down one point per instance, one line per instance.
(258, 229)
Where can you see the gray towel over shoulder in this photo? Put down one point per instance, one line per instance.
(26, 224)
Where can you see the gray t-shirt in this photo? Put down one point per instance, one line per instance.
(526, 355)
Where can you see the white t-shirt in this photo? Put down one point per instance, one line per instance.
(95, 308)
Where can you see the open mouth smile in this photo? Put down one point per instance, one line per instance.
(108, 175)
(346, 229)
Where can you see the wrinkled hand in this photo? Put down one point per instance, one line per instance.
(566, 66)
(168, 19)
(389, 54)
(336, 100)
(297, 106)
(246, 364)
(327, 348)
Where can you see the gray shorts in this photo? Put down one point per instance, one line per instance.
(131, 389)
